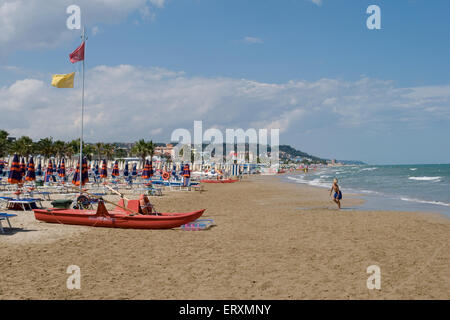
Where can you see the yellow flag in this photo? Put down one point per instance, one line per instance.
(63, 80)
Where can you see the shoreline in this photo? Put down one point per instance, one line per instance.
(372, 200)
(261, 247)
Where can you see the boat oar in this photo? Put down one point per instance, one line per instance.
(122, 196)
(117, 192)
(107, 201)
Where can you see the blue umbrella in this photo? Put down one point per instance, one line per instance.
(39, 171)
(31, 174)
(134, 172)
(96, 171)
(126, 172)
(104, 170)
(15, 175)
(62, 169)
(2, 166)
(49, 172)
(174, 170)
(84, 174)
(23, 168)
(146, 172)
(115, 172)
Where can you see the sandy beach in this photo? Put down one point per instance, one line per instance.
(271, 240)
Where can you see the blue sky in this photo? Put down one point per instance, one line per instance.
(338, 89)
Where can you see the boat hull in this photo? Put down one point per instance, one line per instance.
(116, 219)
(219, 181)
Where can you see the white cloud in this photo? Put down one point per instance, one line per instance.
(95, 30)
(317, 2)
(125, 103)
(252, 40)
(30, 24)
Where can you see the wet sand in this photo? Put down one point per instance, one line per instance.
(271, 240)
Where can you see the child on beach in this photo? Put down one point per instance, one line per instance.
(337, 193)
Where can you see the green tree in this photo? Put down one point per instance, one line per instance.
(60, 148)
(75, 145)
(4, 143)
(143, 149)
(99, 150)
(88, 151)
(45, 147)
(23, 146)
(120, 153)
(108, 150)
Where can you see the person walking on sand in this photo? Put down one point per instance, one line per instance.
(337, 193)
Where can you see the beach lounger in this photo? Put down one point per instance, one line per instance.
(23, 204)
(6, 216)
(155, 191)
(4, 202)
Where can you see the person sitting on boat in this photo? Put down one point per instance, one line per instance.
(145, 205)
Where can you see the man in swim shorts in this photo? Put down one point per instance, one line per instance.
(337, 193)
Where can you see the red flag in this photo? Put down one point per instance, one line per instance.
(78, 54)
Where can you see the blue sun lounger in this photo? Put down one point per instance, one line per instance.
(6, 216)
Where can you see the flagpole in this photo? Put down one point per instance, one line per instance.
(83, 38)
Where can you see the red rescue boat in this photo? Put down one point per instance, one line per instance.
(219, 181)
(118, 218)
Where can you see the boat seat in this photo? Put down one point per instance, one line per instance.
(121, 203)
(133, 205)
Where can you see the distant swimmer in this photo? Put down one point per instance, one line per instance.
(337, 193)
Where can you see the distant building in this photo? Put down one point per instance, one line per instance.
(165, 150)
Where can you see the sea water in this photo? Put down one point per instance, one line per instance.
(388, 187)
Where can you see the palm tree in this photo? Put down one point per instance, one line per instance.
(99, 149)
(59, 148)
(108, 149)
(120, 153)
(69, 152)
(88, 151)
(143, 149)
(22, 146)
(45, 147)
(4, 143)
(151, 148)
(75, 145)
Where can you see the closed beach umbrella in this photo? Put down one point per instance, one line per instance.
(23, 167)
(146, 171)
(174, 170)
(14, 172)
(39, 171)
(84, 174)
(115, 172)
(62, 169)
(49, 171)
(2, 166)
(31, 174)
(104, 170)
(134, 171)
(186, 171)
(126, 172)
(150, 168)
(96, 170)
